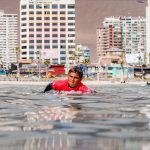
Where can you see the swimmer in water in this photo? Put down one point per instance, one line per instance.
(72, 83)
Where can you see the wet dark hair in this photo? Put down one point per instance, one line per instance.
(77, 70)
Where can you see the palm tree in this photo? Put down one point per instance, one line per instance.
(38, 53)
(18, 58)
(122, 61)
(85, 61)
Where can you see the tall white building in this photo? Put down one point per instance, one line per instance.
(47, 30)
(126, 33)
(8, 38)
(148, 31)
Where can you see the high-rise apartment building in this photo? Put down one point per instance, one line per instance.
(47, 29)
(126, 33)
(108, 37)
(8, 38)
(148, 32)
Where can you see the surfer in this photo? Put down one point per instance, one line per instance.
(72, 83)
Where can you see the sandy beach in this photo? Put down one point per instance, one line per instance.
(93, 82)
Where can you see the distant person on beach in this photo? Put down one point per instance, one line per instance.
(72, 83)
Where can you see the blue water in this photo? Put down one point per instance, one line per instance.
(117, 117)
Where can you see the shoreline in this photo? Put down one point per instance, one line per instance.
(93, 82)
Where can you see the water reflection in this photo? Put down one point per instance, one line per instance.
(116, 118)
(61, 141)
(62, 114)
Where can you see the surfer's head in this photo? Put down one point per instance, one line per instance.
(77, 70)
(75, 76)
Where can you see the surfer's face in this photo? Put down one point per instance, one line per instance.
(73, 79)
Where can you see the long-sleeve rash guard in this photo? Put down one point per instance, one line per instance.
(62, 85)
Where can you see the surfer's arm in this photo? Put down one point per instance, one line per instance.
(48, 87)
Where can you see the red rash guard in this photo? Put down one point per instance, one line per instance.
(62, 85)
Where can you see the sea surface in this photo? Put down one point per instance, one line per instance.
(117, 117)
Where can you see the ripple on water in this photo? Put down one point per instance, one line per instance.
(113, 114)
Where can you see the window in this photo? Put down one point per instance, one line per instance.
(31, 41)
(62, 41)
(31, 47)
(31, 29)
(62, 6)
(71, 18)
(47, 35)
(39, 41)
(23, 6)
(39, 12)
(70, 41)
(54, 35)
(31, 52)
(38, 18)
(71, 24)
(62, 52)
(54, 6)
(71, 6)
(54, 24)
(39, 6)
(63, 46)
(46, 12)
(31, 18)
(23, 19)
(54, 12)
(31, 24)
(23, 30)
(24, 41)
(71, 12)
(62, 24)
(62, 35)
(63, 58)
(24, 53)
(39, 47)
(71, 29)
(46, 18)
(46, 24)
(23, 36)
(23, 13)
(55, 41)
(54, 29)
(71, 35)
(62, 29)
(62, 18)
(23, 24)
(38, 29)
(54, 18)
(46, 6)
(39, 35)
(62, 12)
(24, 47)
(31, 6)
(46, 46)
(31, 12)
(46, 29)
(55, 46)
(46, 41)
(39, 24)
(31, 35)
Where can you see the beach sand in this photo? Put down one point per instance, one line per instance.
(93, 82)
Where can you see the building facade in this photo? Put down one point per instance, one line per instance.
(8, 39)
(82, 54)
(125, 33)
(47, 30)
(148, 32)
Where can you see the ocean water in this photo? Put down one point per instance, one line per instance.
(117, 117)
